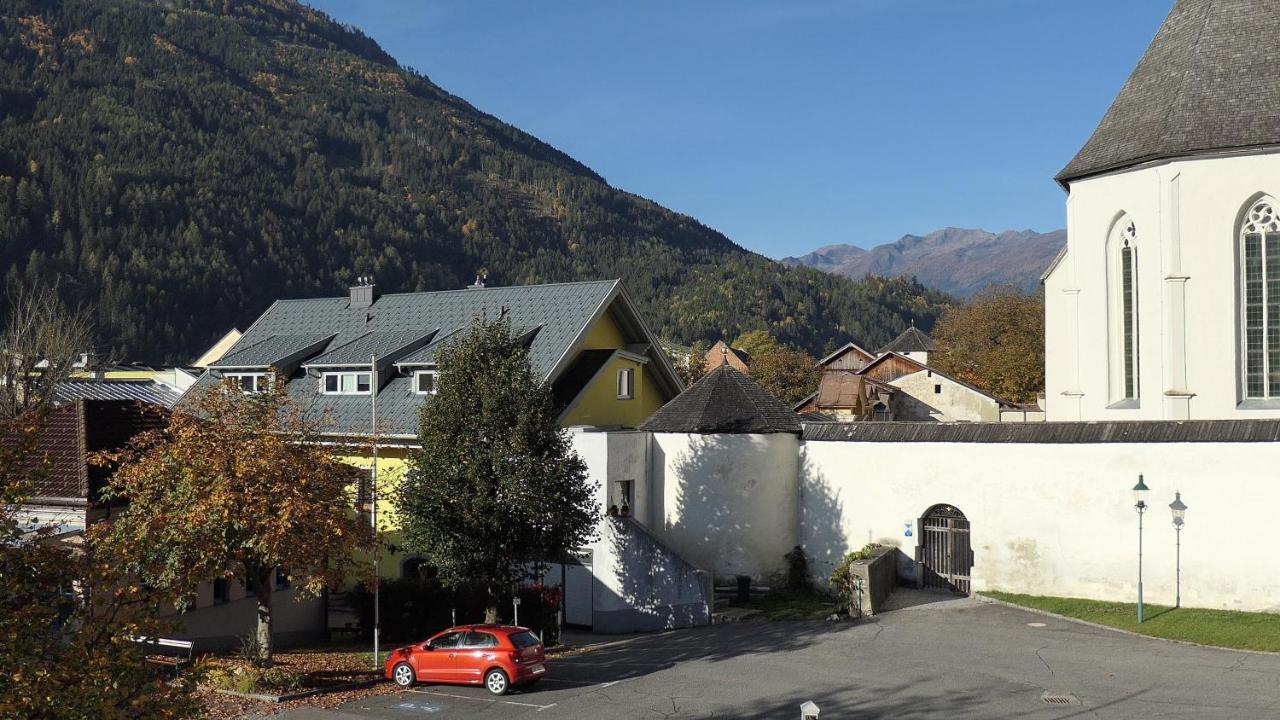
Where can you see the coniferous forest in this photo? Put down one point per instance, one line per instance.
(179, 165)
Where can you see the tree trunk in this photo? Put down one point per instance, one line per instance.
(491, 608)
(260, 579)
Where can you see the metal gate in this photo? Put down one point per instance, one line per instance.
(944, 551)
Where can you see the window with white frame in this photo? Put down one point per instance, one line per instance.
(425, 382)
(346, 383)
(1260, 300)
(250, 383)
(626, 379)
(1122, 250)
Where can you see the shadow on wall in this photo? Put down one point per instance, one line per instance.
(730, 518)
(821, 520)
(908, 408)
(658, 589)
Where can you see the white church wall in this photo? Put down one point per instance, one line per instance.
(728, 502)
(1187, 215)
(1059, 519)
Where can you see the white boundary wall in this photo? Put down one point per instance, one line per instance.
(1059, 519)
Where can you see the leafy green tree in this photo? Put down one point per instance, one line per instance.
(693, 367)
(996, 342)
(497, 484)
(236, 487)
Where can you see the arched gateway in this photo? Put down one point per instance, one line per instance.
(944, 551)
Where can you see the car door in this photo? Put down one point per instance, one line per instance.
(475, 655)
(436, 661)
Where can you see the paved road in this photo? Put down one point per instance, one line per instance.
(958, 658)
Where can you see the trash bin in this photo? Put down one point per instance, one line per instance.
(744, 588)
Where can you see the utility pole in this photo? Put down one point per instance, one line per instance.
(373, 500)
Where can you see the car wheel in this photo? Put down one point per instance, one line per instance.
(496, 681)
(402, 675)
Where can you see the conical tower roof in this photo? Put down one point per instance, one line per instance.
(1207, 82)
(724, 401)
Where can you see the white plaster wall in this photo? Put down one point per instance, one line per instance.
(1187, 216)
(728, 501)
(1059, 519)
(956, 403)
(638, 583)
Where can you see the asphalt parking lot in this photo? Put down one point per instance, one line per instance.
(940, 658)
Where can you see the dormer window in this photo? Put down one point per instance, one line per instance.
(250, 383)
(346, 383)
(425, 382)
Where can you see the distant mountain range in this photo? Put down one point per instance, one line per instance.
(955, 260)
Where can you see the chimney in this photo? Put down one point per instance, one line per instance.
(364, 292)
(480, 279)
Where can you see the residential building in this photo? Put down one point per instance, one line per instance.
(1159, 306)
(912, 343)
(723, 354)
(336, 355)
(925, 394)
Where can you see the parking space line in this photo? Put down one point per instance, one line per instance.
(540, 708)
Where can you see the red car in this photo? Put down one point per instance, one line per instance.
(496, 656)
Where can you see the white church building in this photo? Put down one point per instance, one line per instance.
(1166, 302)
(1162, 359)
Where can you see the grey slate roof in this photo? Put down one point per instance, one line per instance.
(1049, 433)
(146, 391)
(373, 344)
(558, 312)
(1207, 82)
(911, 340)
(270, 348)
(724, 401)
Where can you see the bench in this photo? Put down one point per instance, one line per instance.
(167, 652)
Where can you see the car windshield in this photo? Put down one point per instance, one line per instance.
(524, 639)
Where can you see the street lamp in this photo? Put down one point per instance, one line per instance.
(1140, 504)
(1179, 509)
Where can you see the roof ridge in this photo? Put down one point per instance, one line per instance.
(609, 282)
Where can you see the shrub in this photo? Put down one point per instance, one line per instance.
(841, 578)
(799, 578)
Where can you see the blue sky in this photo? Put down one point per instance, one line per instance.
(792, 124)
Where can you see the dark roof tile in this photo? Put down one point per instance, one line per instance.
(724, 401)
(1207, 82)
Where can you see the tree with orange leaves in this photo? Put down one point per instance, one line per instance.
(237, 486)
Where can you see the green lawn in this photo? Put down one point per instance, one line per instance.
(1224, 628)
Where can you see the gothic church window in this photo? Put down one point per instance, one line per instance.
(1260, 300)
(1122, 249)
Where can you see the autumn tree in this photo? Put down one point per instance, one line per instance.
(996, 342)
(237, 486)
(789, 374)
(41, 341)
(67, 614)
(496, 485)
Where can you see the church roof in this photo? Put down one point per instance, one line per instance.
(1207, 82)
(724, 401)
(911, 340)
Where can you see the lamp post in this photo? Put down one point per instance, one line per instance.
(1140, 504)
(1179, 509)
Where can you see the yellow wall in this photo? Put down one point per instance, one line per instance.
(391, 467)
(604, 335)
(598, 404)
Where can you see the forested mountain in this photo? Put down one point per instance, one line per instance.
(181, 164)
(955, 260)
